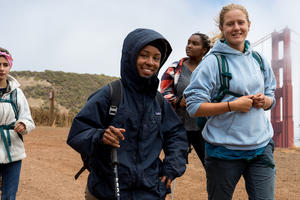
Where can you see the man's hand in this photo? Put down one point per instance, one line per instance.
(166, 180)
(112, 135)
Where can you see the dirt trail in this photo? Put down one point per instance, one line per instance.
(48, 172)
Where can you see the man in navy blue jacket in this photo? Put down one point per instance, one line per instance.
(140, 130)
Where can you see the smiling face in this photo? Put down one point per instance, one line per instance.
(194, 47)
(148, 61)
(235, 28)
(4, 68)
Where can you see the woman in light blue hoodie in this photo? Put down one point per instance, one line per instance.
(238, 134)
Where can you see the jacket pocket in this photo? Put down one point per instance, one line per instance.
(267, 158)
(150, 177)
(17, 146)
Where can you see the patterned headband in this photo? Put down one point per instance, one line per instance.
(8, 57)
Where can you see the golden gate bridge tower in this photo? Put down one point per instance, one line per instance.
(282, 113)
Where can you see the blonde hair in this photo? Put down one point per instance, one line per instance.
(226, 9)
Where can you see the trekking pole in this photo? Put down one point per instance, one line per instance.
(173, 190)
(115, 163)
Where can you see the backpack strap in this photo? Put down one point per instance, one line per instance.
(259, 59)
(116, 93)
(14, 103)
(115, 98)
(225, 77)
(6, 139)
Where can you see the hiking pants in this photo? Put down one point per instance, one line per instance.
(10, 179)
(195, 138)
(259, 175)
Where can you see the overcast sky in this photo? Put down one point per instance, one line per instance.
(87, 36)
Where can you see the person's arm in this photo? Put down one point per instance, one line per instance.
(167, 85)
(266, 100)
(242, 104)
(88, 127)
(175, 145)
(25, 123)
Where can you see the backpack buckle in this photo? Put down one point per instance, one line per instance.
(113, 110)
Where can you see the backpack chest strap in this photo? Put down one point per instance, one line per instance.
(6, 139)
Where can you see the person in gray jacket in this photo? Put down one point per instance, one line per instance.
(15, 121)
(238, 134)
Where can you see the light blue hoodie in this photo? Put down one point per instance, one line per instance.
(233, 130)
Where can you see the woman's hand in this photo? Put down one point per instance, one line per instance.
(242, 104)
(262, 101)
(20, 127)
(258, 100)
(112, 135)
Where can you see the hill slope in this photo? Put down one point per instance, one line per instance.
(71, 89)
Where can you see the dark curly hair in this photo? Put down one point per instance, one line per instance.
(205, 40)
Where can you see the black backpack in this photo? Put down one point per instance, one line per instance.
(115, 98)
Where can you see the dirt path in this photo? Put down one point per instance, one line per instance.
(48, 171)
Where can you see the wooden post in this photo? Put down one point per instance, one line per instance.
(51, 111)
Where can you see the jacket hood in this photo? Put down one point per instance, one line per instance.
(12, 82)
(133, 44)
(222, 47)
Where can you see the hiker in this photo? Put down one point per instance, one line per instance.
(176, 78)
(15, 121)
(140, 130)
(238, 134)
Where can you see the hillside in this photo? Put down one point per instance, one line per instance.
(71, 89)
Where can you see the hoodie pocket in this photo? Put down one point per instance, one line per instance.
(150, 178)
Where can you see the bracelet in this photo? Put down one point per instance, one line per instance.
(228, 106)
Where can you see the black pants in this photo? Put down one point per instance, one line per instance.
(196, 140)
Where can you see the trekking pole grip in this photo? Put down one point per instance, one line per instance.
(114, 156)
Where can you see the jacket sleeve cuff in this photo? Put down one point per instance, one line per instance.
(28, 126)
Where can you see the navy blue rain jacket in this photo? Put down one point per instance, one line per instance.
(148, 131)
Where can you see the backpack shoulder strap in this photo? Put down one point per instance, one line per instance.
(259, 59)
(225, 77)
(14, 103)
(13, 100)
(114, 98)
